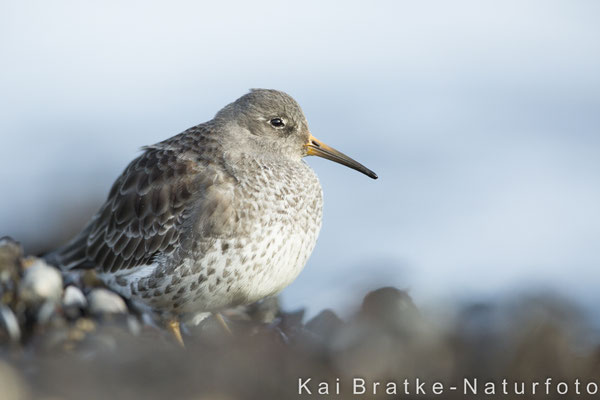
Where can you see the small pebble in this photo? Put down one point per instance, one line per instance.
(386, 301)
(74, 302)
(103, 301)
(325, 324)
(10, 323)
(134, 325)
(74, 297)
(197, 318)
(45, 312)
(391, 308)
(41, 282)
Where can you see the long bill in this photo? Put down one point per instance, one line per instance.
(315, 147)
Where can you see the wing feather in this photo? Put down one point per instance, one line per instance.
(142, 215)
(153, 205)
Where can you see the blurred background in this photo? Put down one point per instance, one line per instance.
(481, 118)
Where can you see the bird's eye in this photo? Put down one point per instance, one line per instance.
(277, 123)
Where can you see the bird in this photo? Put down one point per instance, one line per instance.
(223, 214)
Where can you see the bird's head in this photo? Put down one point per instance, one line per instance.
(272, 122)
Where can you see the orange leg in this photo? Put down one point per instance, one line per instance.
(173, 326)
(223, 323)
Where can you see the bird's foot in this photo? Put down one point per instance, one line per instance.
(223, 323)
(173, 326)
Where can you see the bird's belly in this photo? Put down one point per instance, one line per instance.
(234, 271)
(248, 270)
(276, 263)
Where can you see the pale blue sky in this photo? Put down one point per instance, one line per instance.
(481, 118)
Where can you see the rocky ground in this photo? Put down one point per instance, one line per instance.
(66, 338)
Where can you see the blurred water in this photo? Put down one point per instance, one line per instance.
(481, 119)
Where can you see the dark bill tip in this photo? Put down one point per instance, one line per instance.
(320, 149)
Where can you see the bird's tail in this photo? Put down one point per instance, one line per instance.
(71, 255)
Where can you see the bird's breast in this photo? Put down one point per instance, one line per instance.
(270, 218)
(282, 208)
